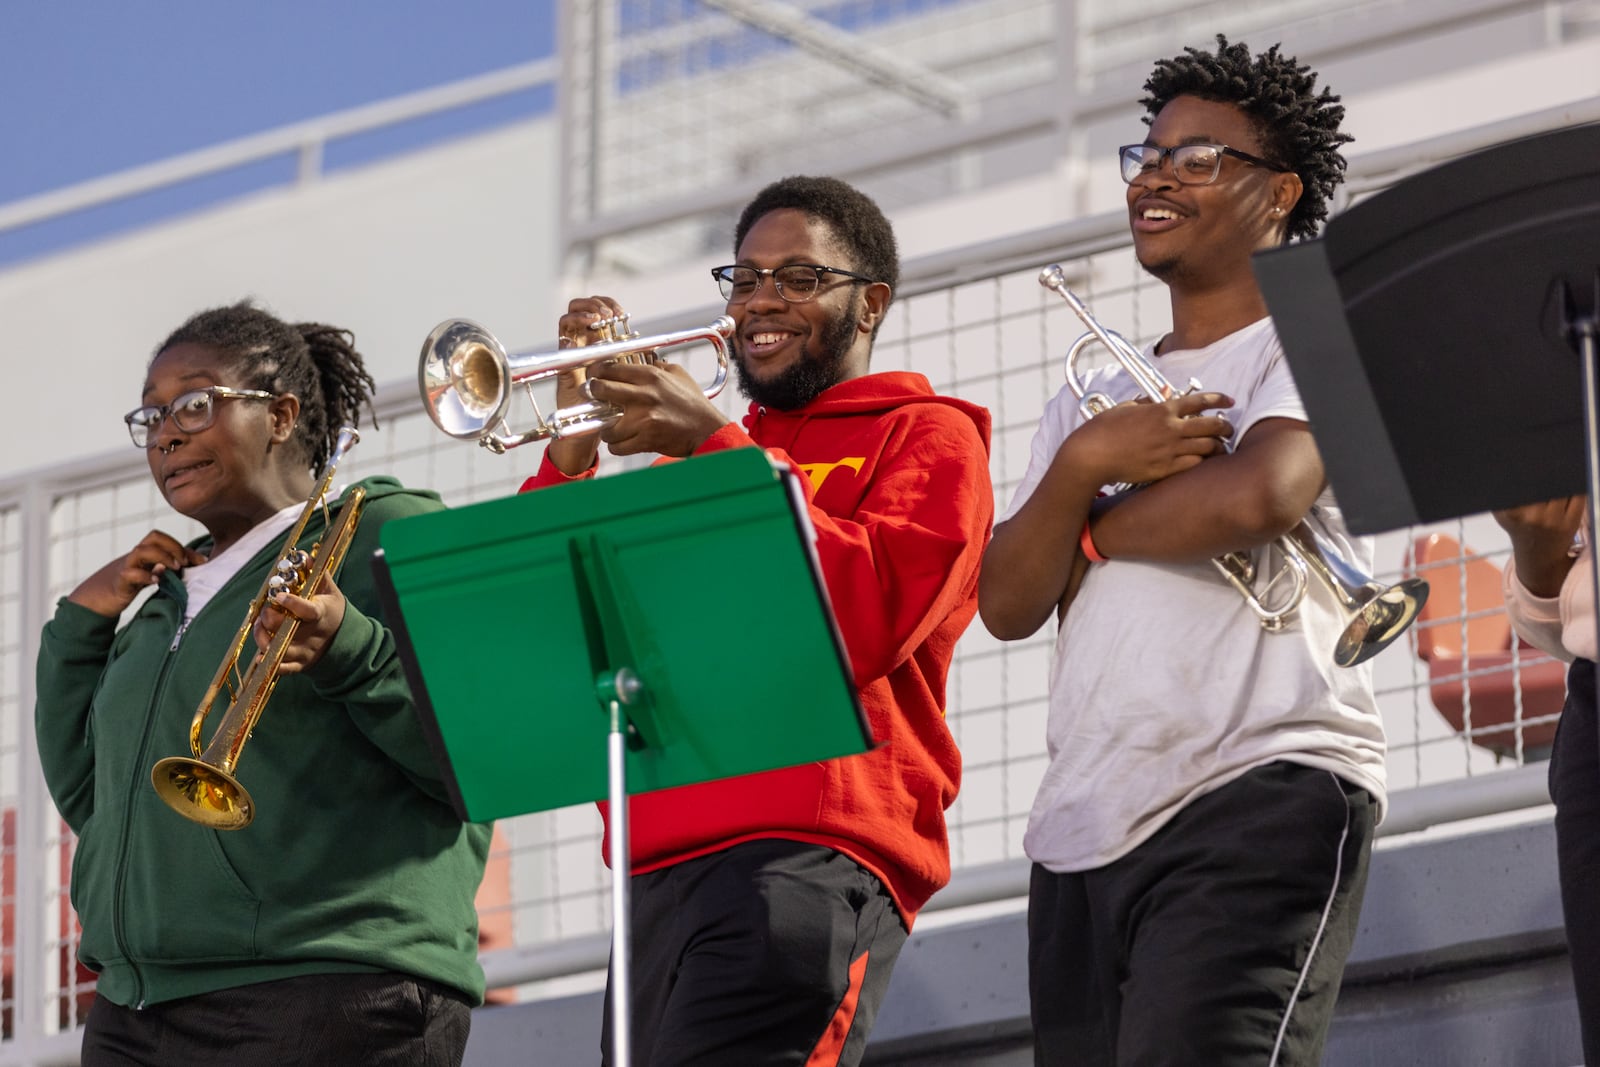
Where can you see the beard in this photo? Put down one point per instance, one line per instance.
(807, 377)
(1169, 270)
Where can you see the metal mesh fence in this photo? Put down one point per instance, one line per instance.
(997, 340)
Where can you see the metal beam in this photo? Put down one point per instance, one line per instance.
(878, 65)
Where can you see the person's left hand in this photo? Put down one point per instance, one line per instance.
(1542, 541)
(664, 409)
(317, 620)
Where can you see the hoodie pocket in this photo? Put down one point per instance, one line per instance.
(183, 900)
(91, 892)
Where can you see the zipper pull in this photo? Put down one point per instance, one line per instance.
(178, 635)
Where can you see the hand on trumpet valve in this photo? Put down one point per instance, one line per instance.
(614, 328)
(1141, 441)
(590, 320)
(318, 618)
(664, 410)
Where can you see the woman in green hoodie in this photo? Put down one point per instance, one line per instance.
(338, 926)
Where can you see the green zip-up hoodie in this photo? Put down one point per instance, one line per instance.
(355, 861)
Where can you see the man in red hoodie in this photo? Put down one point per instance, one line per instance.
(768, 910)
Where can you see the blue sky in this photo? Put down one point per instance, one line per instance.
(91, 87)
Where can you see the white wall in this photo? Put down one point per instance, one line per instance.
(387, 251)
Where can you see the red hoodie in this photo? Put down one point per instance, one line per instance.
(897, 479)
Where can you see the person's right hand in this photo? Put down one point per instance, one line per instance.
(1140, 441)
(112, 588)
(1541, 540)
(581, 326)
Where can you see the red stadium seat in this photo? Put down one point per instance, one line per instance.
(1467, 644)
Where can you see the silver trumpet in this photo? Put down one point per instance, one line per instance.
(466, 376)
(1374, 615)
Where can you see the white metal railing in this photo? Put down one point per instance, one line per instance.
(1034, 75)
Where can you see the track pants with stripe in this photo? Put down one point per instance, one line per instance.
(1219, 942)
(765, 954)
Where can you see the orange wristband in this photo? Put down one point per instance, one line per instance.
(1086, 543)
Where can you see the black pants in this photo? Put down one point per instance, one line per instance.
(360, 1020)
(767, 953)
(1575, 788)
(1219, 942)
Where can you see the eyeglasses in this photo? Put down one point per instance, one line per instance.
(797, 283)
(1192, 164)
(191, 412)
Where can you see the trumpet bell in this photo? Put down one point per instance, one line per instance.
(1379, 621)
(203, 793)
(463, 379)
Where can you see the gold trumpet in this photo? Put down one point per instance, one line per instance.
(203, 788)
(1373, 614)
(466, 376)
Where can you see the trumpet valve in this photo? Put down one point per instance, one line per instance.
(614, 328)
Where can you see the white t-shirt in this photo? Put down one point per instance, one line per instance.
(202, 580)
(1163, 685)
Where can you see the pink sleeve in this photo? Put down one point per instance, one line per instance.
(1577, 608)
(1536, 619)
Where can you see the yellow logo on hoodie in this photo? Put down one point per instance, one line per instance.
(818, 472)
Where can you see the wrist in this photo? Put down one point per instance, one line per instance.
(1544, 578)
(573, 456)
(1087, 545)
(1086, 470)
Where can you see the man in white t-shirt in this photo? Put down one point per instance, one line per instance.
(1201, 837)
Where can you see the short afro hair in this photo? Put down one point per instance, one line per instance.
(1298, 126)
(854, 217)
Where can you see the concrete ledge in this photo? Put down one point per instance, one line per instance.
(1460, 960)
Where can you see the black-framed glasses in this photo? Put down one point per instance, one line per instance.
(1192, 164)
(191, 412)
(796, 282)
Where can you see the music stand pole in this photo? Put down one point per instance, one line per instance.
(617, 688)
(1581, 330)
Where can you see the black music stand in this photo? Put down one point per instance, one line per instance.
(1431, 330)
(1443, 335)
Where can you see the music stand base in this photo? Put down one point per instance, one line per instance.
(616, 689)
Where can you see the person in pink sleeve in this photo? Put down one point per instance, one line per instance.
(1549, 587)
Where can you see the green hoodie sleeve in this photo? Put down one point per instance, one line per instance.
(72, 656)
(361, 668)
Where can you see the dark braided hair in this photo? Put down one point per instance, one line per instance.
(1298, 126)
(318, 364)
(855, 219)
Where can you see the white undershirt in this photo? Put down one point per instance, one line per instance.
(202, 580)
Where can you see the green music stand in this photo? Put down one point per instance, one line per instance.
(581, 643)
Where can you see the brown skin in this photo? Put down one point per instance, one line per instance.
(1541, 541)
(1193, 511)
(228, 477)
(664, 409)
